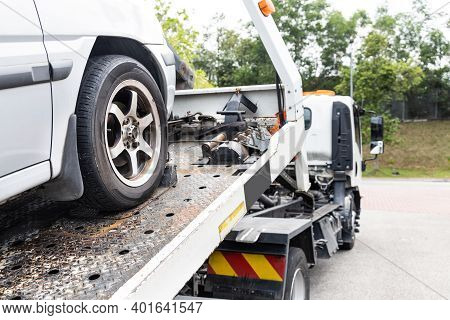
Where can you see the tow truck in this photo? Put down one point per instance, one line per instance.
(262, 181)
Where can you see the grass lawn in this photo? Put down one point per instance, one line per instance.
(422, 150)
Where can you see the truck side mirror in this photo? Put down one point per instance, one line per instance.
(377, 135)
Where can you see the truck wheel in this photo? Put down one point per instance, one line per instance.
(349, 236)
(122, 133)
(297, 276)
(347, 246)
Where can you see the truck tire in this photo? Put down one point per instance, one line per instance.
(122, 133)
(347, 246)
(297, 276)
(349, 236)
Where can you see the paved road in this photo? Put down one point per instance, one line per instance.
(403, 250)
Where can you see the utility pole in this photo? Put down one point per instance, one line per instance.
(351, 69)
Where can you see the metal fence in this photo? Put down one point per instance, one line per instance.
(434, 105)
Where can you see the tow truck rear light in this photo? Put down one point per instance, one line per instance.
(267, 7)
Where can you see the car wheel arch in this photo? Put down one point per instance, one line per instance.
(107, 45)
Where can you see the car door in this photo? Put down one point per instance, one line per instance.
(25, 93)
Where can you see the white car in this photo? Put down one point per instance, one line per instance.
(86, 87)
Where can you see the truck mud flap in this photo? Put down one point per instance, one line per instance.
(237, 275)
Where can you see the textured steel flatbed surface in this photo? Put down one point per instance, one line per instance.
(63, 251)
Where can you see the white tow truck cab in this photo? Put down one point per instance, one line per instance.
(330, 116)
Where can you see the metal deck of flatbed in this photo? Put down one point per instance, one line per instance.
(62, 251)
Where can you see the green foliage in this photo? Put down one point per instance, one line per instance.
(319, 38)
(400, 59)
(410, 36)
(307, 26)
(236, 60)
(379, 79)
(397, 56)
(302, 24)
(434, 48)
(182, 37)
(254, 63)
(201, 80)
(421, 149)
(412, 41)
(339, 34)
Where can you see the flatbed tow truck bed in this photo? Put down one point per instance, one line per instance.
(86, 255)
(62, 251)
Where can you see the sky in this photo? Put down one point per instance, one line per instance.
(202, 11)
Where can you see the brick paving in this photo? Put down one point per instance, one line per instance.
(406, 196)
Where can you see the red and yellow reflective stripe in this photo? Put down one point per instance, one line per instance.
(220, 266)
(246, 265)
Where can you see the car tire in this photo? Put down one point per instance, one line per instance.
(121, 132)
(297, 276)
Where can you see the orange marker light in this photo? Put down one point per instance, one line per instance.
(320, 93)
(267, 7)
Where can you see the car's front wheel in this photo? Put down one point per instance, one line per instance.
(122, 133)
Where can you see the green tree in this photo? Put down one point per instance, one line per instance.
(236, 60)
(302, 23)
(434, 49)
(317, 37)
(379, 79)
(336, 43)
(412, 37)
(182, 37)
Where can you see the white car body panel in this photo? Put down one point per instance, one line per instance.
(24, 180)
(169, 73)
(25, 95)
(132, 19)
(25, 130)
(65, 92)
